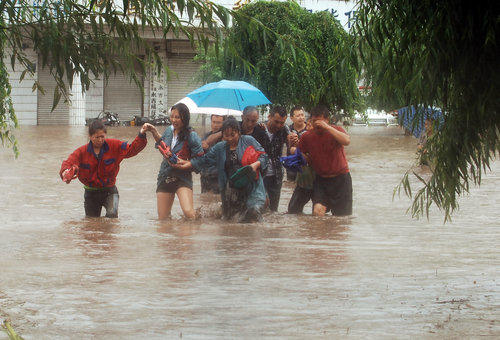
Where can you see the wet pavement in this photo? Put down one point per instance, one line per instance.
(378, 274)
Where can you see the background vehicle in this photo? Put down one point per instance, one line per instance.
(107, 117)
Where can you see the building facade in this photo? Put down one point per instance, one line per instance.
(122, 96)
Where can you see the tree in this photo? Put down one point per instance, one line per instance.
(438, 54)
(86, 39)
(293, 56)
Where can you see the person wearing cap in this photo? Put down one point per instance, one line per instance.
(240, 177)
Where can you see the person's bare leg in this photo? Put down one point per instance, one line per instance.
(164, 201)
(185, 196)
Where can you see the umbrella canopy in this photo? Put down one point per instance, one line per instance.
(229, 94)
(193, 108)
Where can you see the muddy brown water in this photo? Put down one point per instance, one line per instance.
(378, 274)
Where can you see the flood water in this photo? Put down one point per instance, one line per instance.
(378, 274)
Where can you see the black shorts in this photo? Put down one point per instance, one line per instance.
(334, 193)
(95, 199)
(299, 199)
(171, 184)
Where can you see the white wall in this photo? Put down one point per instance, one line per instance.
(23, 98)
(77, 105)
(94, 99)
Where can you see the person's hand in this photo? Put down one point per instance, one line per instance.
(321, 124)
(255, 166)
(69, 174)
(64, 175)
(293, 139)
(164, 150)
(204, 145)
(181, 164)
(147, 127)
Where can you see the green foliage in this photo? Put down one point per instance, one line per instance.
(438, 54)
(212, 66)
(7, 328)
(293, 56)
(8, 120)
(88, 39)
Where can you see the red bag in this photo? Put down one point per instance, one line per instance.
(71, 174)
(251, 156)
(164, 149)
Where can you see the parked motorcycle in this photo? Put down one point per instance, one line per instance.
(155, 120)
(107, 117)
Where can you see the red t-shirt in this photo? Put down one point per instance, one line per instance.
(326, 155)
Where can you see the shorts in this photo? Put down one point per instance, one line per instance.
(171, 184)
(95, 199)
(334, 193)
(299, 199)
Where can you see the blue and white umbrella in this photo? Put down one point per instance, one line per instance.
(228, 94)
(220, 111)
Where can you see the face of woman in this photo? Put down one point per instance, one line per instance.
(231, 137)
(176, 120)
(98, 138)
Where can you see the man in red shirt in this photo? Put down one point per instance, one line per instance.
(324, 150)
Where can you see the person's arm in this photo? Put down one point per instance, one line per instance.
(154, 132)
(255, 166)
(163, 149)
(195, 146)
(340, 136)
(197, 163)
(263, 157)
(139, 143)
(182, 165)
(302, 146)
(70, 165)
(292, 140)
(213, 139)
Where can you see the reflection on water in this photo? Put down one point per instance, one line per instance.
(371, 275)
(96, 237)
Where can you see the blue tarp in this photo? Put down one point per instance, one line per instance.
(406, 118)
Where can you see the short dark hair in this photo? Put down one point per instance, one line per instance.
(320, 110)
(97, 125)
(278, 110)
(249, 109)
(231, 124)
(295, 108)
(223, 117)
